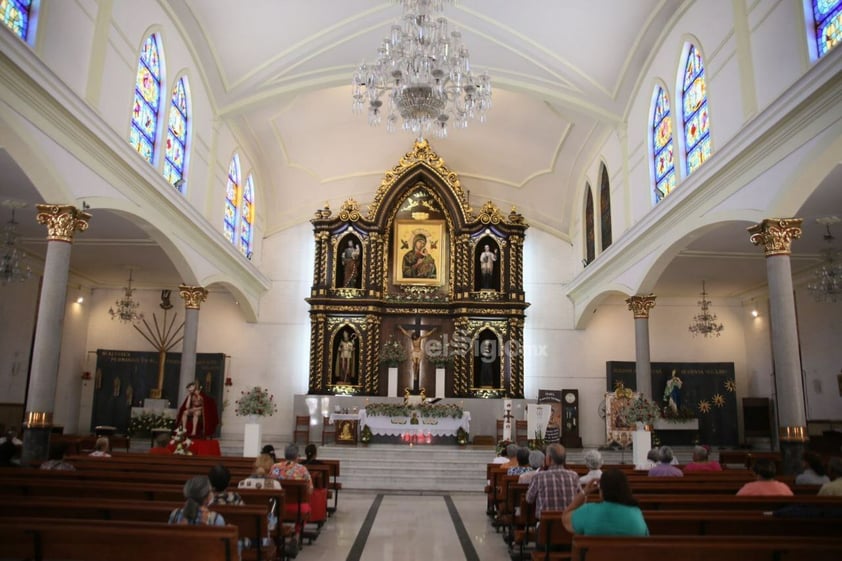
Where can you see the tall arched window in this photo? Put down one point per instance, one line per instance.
(233, 193)
(247, 218)
(827, 15)
(590, 234)
(147, 99)
(17, 16)
(662, 146)
(604, 207)
(178, 125)
(695, 111)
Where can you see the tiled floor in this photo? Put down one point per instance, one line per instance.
(407, 527)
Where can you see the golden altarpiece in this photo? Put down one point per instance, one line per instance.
(419, 282)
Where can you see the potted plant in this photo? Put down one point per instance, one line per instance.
(641, 411)
(256, 402)
(365, 435)
(461, 437)
(392, 353)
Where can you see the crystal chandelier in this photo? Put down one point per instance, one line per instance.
(127, 307)
(423, 75)
(704, 323)
(13, 267)
(827, 281)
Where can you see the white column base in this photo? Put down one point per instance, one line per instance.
(642, 443)
(251, 440)
(439, 382)
(393, 381)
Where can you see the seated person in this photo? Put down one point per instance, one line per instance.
(102, 448)
(593, 459)
(503, 457)
(195, 511)
(161, 447)
(536, 461)
(511, 453)
(665, 467)
(219, 477)
(813, 472)
(9, 456)
(522, 463)
(270, 450)
(289, 468)
(259, 478)
(700, 461)
(834, 468)
(56, 458)
(12, 436)
(310, 452)
(766, 484)
(617, 515)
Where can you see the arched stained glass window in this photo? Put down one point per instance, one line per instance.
(590, 234)
(178, 125)
(233, 192)
(695, 112)
(662, 145)
(827, 15)
(247, 218)
(604, 207)
(16, 15)
(147, 99)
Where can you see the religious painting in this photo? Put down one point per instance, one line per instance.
(419, 252)
(617, 430)
(552, 399)
(346, 431)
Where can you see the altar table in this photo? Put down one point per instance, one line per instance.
(396, 426)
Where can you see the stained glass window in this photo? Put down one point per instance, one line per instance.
(828, 18)
(16, 16)
(590, 246)
(147, 99)
(662, 146)
(232, 199)
(695, 112)
(605, 207)
(178, 125)
(247, 217)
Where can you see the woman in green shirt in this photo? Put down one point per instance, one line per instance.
(617, 515)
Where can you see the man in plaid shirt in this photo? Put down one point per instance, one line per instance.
(555, 487)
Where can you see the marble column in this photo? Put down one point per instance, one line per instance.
(641, 305)
(193, 297)
(775, 236)
(61, 222)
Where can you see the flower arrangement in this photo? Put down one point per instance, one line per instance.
(502, 445)
(640, 410)
(424, 410)
(461, 437)
(146, 422)
(181, 442)
(365, 435)
(257, 401)
(537, 443)
(392, 352)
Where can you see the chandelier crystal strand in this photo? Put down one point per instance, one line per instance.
(704, 323)
(827, 282)
(422, 77)
(13, 267)
(127, 306)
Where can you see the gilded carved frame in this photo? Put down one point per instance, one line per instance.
(435, 247)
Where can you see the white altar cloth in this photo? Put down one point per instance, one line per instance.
(434, 426)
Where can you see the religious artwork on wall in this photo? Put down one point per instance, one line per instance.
(117, 372)
(420, 252)
(416, 334)
(349, 262)
(346, 356)
(552, 399)
(487, 266)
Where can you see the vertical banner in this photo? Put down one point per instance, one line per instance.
(507, 419)
(552, 399)
(537, 417)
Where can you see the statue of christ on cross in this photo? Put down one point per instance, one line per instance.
(417, 354)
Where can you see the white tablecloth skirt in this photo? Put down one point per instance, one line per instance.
(396, 426)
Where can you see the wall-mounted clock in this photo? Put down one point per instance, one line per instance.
(570, 419)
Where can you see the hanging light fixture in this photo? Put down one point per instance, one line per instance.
(827, 278)
(13, 267)
(423, 76)
(127, 306)
(704, 323)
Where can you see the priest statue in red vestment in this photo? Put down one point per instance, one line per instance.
(197, 413)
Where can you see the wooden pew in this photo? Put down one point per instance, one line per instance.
(335, 486)
(698, 548)
(736, 523)
(552, 540)
(729, 502)
(51, 539)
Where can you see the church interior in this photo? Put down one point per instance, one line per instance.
(615, 193)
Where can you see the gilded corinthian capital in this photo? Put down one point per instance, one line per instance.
(641, 305)
(61, 221)
(193, 296)
(776, 235)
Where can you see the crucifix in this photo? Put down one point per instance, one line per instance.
(417, 340)
(507, 419)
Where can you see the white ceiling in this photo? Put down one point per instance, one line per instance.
(282, 82)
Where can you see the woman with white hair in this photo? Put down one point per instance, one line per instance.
(593, 459)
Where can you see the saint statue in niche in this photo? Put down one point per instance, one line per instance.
(345, 369)
(487, 362)
(350, 259)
